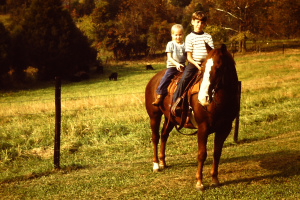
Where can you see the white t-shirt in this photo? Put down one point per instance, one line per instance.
(178, 53)
(195, 44)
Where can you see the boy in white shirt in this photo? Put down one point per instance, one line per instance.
(196, 51)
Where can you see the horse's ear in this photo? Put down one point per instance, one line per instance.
(208, 48)
(223, 48)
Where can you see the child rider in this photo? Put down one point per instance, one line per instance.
(176, 62)
(196, 51)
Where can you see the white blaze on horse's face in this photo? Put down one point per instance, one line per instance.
(203, 93)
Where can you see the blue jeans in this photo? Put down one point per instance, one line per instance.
(162, 88)
(187, 75)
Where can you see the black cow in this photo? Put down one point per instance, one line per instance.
(113, 76)
(149, 67)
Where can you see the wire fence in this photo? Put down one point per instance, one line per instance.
(99, 113)
(46, 105)
(96, 105)
(86, 103)
(264, 46)
(86, 113)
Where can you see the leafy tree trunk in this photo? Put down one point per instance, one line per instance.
(54, 44)
(242, 46)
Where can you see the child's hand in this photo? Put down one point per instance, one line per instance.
(180, 67)
(198, 65)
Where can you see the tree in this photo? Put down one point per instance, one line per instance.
(54, 44)
(3, 6)
(133, 23)
(123, 26)
(283, 19)
(80, 8)
(16, 9)
(238, 16)
(158, 36)
(217, 32)
(5, 50)
(88, 6)
(19, 53)
(103, 17)
(180, 3)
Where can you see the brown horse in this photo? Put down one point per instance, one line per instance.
(214, 108)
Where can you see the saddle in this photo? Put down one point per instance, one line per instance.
(183, 102)
(194, 86)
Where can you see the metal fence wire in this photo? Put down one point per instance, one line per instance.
(92, 109)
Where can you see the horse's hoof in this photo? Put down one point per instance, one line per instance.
(155, 170)
(200, 187)
(215, 185)
(162, 167)
(155, 167)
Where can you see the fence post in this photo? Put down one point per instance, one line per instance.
(57, 122)
(237, 119)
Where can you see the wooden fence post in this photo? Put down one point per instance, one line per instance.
(237, 119)
(57, 122)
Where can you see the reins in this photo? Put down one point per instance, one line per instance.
(185, 115)
(184, 119)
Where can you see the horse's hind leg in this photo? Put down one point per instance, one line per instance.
(167, 128)
(155, 123)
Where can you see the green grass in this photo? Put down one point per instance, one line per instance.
(106, 149)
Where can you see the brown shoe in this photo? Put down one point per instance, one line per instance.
(178, 111)
(158, 100)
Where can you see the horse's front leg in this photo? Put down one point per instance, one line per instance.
(220, 137)
(202, 154)
(165, 132)
(155, 123)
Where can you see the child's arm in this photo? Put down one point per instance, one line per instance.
(178, 65)
(191, 60)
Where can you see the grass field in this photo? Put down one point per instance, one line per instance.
(106, 149)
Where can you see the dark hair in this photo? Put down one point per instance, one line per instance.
(200, 16)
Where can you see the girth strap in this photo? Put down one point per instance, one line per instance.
(185, 104)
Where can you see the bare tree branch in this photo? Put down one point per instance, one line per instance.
(221, 10)
(231, 29)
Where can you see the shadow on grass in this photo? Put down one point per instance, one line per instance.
(36, 175)
(285, 163)
(281, 163)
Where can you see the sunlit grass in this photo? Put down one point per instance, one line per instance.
(106, 149)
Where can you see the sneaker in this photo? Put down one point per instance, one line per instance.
(158, 100)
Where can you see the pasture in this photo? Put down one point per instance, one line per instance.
(106, 148)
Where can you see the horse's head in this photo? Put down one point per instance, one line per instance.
(219, 73)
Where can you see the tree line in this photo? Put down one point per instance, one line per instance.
(43, 35)
(60, 37)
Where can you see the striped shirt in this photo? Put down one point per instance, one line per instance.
(194, 43)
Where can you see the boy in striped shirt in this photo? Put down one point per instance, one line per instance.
(196, 51)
